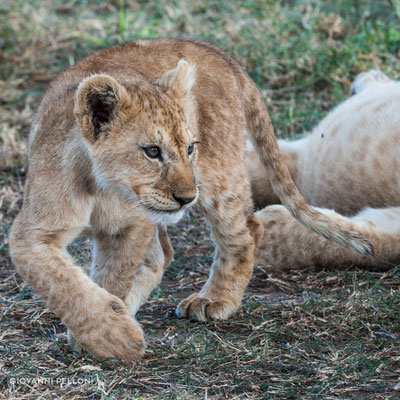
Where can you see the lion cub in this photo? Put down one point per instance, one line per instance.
(349, 163)
(134, 134)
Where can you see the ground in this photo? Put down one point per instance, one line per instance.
(301, 335)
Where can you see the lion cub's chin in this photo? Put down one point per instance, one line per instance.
(165, 218)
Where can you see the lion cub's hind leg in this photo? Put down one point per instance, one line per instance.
(150, 272)
(146, 278)
(129, 262)
(121, 234)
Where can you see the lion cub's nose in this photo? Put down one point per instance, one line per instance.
(183, 200)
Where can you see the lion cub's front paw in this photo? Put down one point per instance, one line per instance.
(203, 308)
(109, 332)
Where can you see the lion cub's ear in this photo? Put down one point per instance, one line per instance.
(181, 79)
(97, 101)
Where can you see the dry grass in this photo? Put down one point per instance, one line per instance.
(308, 334)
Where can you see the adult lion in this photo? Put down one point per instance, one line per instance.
(349, 164)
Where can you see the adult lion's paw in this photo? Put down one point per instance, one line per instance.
(203, 308)
(110, 332)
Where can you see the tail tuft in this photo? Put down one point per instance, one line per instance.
(359, 243)
(335, 231)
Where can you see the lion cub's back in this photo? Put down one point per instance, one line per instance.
(218, 80)
(352, 159)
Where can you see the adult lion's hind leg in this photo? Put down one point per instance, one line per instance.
(287, 244)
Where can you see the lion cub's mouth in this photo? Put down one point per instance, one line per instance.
(165, 217)
(153, 209)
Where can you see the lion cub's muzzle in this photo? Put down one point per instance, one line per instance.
(184, 200)
(169, 210)
(185, 197)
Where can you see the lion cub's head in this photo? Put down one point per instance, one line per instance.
(140, 139)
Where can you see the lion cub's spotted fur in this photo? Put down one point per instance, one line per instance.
(133, 132)
(349, 163)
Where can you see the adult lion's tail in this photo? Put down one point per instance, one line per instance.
(262, 134)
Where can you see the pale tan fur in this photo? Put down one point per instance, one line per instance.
(112, 145)
(349, 163)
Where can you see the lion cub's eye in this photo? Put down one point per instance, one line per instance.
(153, 152)
(190, 149)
